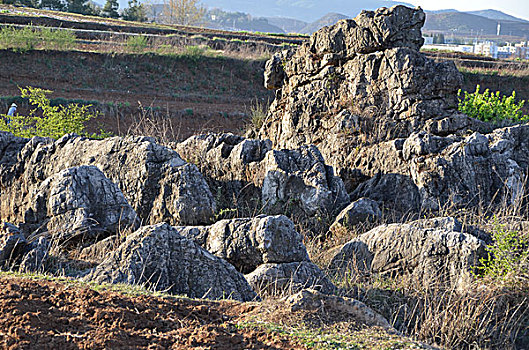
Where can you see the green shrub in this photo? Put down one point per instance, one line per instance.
(194, 53)
(508, 256)
(47, 120)
(491, 107)
(137, 43)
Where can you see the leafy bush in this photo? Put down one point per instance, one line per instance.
(30, 38)
(47, 120)
(508, 256)
(491, 107)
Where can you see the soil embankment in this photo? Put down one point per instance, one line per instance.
(199, 93)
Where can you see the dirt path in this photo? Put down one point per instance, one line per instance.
(48, 315)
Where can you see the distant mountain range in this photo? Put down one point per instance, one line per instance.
(304, 10)
(495, 14)
(307, 16)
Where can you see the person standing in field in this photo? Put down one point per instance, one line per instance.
(12, 110)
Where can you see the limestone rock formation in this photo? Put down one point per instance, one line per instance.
(267, 249)
(312, 300)
(372, 63)
(247, 173)
(159, 257)
(99, 251)
(432, 251)
(36, 257)
(359, 211)
(249, 243)
(379, 110)
(274, 279)
(157, 183)
(77, 204)
(12, 244)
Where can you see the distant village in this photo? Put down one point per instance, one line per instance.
(489, 48)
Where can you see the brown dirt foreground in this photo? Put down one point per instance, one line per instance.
(41, 314)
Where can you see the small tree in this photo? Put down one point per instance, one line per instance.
(79, 6)
(184, 12)
(135, 12)
(111, 9)
(57, 5)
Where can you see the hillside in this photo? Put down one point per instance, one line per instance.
(496, 15)
(288, 25)
(327, 20)
(305, 10)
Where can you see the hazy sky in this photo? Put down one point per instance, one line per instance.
(518, 8)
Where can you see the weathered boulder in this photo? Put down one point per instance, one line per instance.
(276, 279)
(431, 251)
(359, 211)
(12, 244)
(36, 257)
(393, 191)
(77, 204)
(158, 184)
(471, 171)
(249, 243)
(248, 174)
(312, 300)
(159, 257)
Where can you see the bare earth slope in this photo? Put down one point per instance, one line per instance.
(49, 315)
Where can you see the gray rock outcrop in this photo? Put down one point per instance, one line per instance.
(159, 257)
(267, 249)
(12, 244)
(431, 251)
(247, 173)
(362, 210)
(158, 184)
(371, 62)
(379, 110)
(312, 300)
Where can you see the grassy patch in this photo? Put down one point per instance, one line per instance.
(31, 38)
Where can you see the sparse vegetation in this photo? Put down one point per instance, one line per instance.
(137, 43)
(258, 112)
(508, 257)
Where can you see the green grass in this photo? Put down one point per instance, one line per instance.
(31, 38)
(314, 338)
